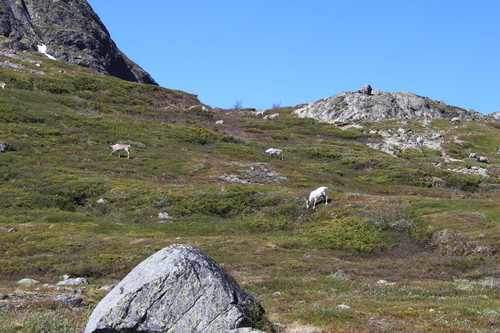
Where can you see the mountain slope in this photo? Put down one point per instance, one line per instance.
(411, 219)
(71, 31)
(380, 105)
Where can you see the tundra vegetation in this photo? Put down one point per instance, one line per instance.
(430, 233)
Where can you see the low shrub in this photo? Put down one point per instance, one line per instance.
(322, 153)
(345, 134)
(198, 135)
(262, 223)
(48, 322)
(360, 163)
(351, 233)
(463, 182)
(233, 202)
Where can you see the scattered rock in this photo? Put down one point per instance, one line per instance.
(69, 300)
(27, 282)
(102, 201)
(475, 170)
(343, 307)
(73, 282)
(164, 216)
(107, 288)
(178, 289)
(2, 147)
(11, 230)
(234, 179)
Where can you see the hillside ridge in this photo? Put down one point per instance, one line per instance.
(70, 31)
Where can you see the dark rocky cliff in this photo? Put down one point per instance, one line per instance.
(72, 32)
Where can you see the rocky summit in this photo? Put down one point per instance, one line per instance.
(374, 105)
(69, 31)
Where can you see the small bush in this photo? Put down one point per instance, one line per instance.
(360, 163)
(352, 233)
(395, 214)
(345, 134)
(262, 223)
(258, 320)
(48, 322)
(198, 135)
(463, 182)
(322, 153)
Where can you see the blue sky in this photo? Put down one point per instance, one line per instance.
(289, 52)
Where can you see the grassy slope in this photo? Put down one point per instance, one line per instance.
(384, 221)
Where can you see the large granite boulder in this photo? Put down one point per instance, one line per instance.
(178, 289)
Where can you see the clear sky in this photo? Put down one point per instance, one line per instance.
(289, 52)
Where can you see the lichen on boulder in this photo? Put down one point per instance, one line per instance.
(177, 289)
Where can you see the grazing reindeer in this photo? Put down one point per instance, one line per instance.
(472, 155)
(483, 159)
(274, 151)
(118, 147)
(271, 116)
(2, 85)
(315, 195)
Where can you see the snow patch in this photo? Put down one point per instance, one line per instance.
(43, 49)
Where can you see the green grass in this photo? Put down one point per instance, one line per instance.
(388, 217)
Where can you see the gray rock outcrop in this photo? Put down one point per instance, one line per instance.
(71, 31)
(494, 115)
(366, 89)
(177, 289)
(380, 105)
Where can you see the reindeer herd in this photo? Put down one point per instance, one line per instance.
(314, 196)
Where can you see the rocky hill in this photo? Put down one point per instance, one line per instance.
(71, 31)
(375, 105)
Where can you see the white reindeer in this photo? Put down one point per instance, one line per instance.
(219, 122)
(483, 159)
(315, 195)
(472, 155)
(455, 120)
(118, 147)
(274, 151)
(2, 85)
(271, 116)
